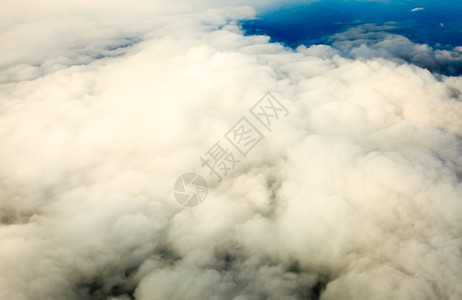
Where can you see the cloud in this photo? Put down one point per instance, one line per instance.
(356, 194)
(417, 9)
(367, 41)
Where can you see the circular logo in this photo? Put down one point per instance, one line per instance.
(190, 189)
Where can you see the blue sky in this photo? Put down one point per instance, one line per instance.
(438, 23)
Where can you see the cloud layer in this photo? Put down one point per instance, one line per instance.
(357, 194)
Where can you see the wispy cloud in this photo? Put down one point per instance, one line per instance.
(417, 9)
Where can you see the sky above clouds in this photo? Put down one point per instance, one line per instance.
(356, 194)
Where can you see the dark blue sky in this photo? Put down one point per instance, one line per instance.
(439, 24)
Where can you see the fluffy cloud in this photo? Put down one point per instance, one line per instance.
(355, 195)
(367, 41)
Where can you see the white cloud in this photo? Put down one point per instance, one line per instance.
(368, 41)
(355, 195)
(417, 9)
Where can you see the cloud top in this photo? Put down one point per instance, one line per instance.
(355, 195)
